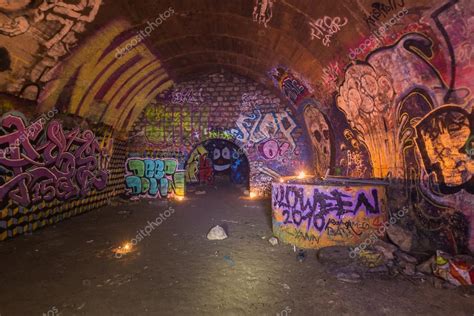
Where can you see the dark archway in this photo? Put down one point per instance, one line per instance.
(217, 160)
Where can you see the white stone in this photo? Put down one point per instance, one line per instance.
(273, 241)
(217, 233)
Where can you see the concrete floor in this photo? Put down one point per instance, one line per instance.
(70, 269)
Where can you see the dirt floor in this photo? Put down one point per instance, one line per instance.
(70, 269)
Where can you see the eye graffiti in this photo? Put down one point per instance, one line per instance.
(221, 159)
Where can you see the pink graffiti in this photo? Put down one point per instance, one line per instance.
(59, 164)
(271, 149)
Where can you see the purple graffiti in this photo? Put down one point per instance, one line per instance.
(320, 205)
(58, 165)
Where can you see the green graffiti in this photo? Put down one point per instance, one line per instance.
(154, 177)
(137, 167)
(469, 148)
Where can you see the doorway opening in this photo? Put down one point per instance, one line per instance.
(217, 162)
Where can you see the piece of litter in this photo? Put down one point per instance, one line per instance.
(228, 221)
(90, 241)
(285, 286)
(301, 255)
(229, 260)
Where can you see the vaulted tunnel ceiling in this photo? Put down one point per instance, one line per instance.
(77, 53)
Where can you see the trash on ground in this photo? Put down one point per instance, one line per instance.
(217, 233)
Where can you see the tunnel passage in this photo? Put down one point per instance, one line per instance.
(218, 161)
(142, 101)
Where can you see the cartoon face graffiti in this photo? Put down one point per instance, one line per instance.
(221, 158)
(441, 139)
(319, 132)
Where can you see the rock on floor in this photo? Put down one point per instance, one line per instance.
(217, 233)
(273, 241)
(400, 237)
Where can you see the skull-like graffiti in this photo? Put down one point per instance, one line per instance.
(319, 132)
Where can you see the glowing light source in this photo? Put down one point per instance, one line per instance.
(301, 175)
(253, 195)
(122, 250)
(282, 180)
(179, 198)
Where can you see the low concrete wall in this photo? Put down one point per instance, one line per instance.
(327, 213)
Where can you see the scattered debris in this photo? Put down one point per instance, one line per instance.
(217, 233)
(81, 306)
(285, 286)
(372, 258)
(385, 248)
(457, 270)
(400, 237)
(90, 241)
(409, 269)
(251, 206)
(200, 192)
(273, 241)
(405, 257)
(229, 260)
(427, 266)
(349, 277)
(301, 255)
(228, 221)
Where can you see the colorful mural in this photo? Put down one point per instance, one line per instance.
(175, 125)
(43, 163)
(316, 216)
(252, 120)
(94, 83)
(52, 169)
(154, 178)
(216, 157)
(407, 114)
(49, 29)
(294, 89)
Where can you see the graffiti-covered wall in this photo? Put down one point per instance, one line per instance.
(154, 177)
(400, 105)
(322, 215)
(49, 172)
(34, 36)
(254, 130)
(215, 157)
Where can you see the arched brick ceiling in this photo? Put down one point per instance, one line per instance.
(201, 36)
(205, 34)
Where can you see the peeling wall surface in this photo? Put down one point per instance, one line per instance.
(362, 89)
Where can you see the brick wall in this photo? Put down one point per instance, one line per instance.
(223, 105)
